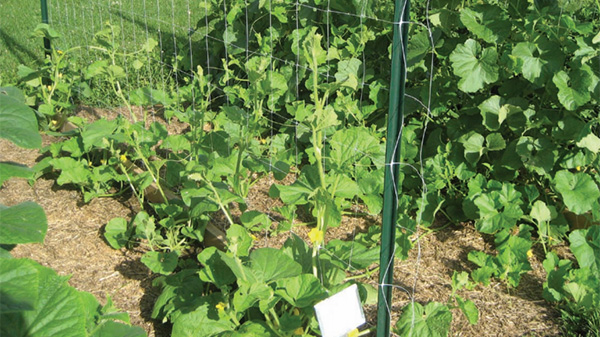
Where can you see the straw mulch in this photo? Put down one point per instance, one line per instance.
(75, 246)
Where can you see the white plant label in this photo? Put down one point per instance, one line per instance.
(340, 313)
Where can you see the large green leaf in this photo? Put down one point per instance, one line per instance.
(557, 270)
(495, 110)
(251, 329)
(242, 272)
(537, 61)
(301, 291)
(8, 170)
(537, 154)
(239, 241)
(269, 264)
(540, 212)
(531, 66)
(585, 244)
(469, 309)
(181, 291)
(347, 73)
(573, 88)
(579, 191)
(349, 254)
(494, 215)
(433, 320)
(353, 143)
(22, 223)
(587, 139)
(18, 285)
(474, 148)
(117, 233)
(17, 121)
(495, 142)
(203, 321)
(161, 262)
(96, 134)
(249, 293)
(112, 329)
(301, 190)
(215, 270)
(149, 96)
(488, 22)
(474, 66)
(58, 311)
(299, 251)
(72, 171)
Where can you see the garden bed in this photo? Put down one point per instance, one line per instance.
(75, 246)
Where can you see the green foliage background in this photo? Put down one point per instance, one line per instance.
(502, 128)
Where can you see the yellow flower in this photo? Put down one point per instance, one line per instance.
(263, 141)
(60, 75)
(49, 87)
(123, 158)
(103, 161)
(530, 253)
(220, 306)
(60, 52)
(299, 331)
(254, 238)
(54, 122)
(296, 312)
(315, 235)
(578, 168)
(353, 333)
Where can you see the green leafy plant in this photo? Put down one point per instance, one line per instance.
(573, 287)
(434, 319)
(509, 140)
(54, 87)
(111, 66)
(36, 301)
(269, 289)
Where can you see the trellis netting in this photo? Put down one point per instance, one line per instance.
(292, 97)
(281, 155)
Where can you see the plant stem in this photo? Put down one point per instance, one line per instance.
(236, 177)
(218, 200)
(363, 275)
(124, 169)
(154, 178)
(318, 148)
(234, 319)
(275, 318)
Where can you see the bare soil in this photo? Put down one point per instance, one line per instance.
(75, 246)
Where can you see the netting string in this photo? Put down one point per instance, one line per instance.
(328, 12)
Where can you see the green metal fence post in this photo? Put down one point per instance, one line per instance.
(44, 6)
(392, 157)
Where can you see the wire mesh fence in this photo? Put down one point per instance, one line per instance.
(284, 107)
(295, 90)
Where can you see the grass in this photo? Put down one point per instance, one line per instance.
(19, 18)
(580, 325)
(166, 21)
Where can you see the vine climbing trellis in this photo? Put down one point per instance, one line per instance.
(304, 99)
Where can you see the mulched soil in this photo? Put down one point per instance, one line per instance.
(75, 246)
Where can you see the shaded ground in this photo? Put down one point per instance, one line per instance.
(74, 246)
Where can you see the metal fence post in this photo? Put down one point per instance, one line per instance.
(44, 6)
(392, 157)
